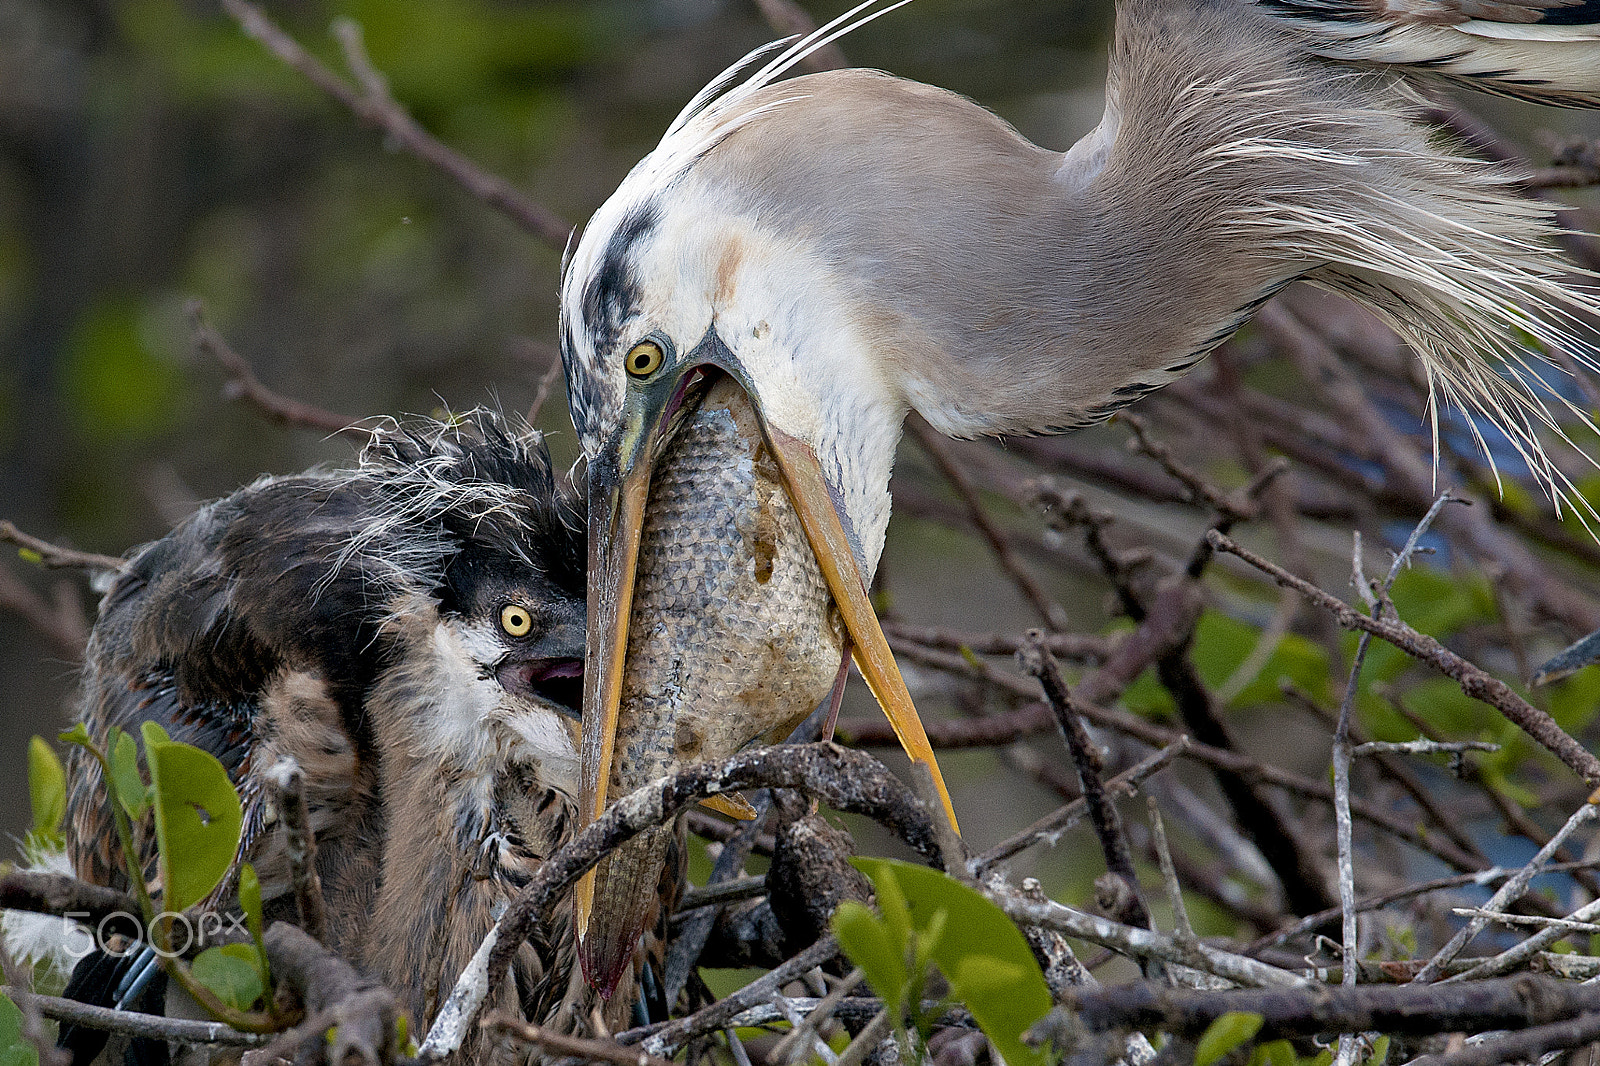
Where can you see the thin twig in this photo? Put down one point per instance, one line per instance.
(153, 1026)
(1422, 747)
(938, 449)
(53, 556)
(244, 385)
(1036, 660)
(1200, 490)
(1078, 647)
(1370, 903)
(1537, 921)
(1142, 943)
(1514, 957)
(1052, 824)
(289, 782)
(720, 1014)
(61, 622)
(788, 1049)
(575, 1046)
(1473, 680)
(1508, 892)
(1037, 718)
(866, 1041)
(1169, 874)
(541, 392)
(374, 106)
(1341, 764)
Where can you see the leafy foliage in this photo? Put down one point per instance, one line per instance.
(14, 1047)
(47, 793)
(927, 919)
(230, 971)
(198, 820)
(1231, 1030)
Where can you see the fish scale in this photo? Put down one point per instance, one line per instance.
(733, 636)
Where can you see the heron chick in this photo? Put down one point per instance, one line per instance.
(410, 632)
(848, 246)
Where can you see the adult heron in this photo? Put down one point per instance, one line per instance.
(849, 246)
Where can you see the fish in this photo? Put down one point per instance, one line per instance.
(733, 639)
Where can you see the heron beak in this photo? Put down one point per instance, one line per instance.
(812, 498)
(619, 486)
(616, 514)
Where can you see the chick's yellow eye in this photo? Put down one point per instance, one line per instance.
(645, 358)
(515, 620)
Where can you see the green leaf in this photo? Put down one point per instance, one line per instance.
(250, 903)
(130, 788)
(250, 899)
(1226, 1033)
(14, 1047)
(198, 820)
(979, 950)
(76, 735)
(1380, 1052)
(229, 971)
(402, 1037)
(153, 734)
(1278, 1053)
(47, 788)
(865, 938)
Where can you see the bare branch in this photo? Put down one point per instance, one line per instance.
(848, 780)
(244, 385)
(937, 448)
(1473, 680)
(53, 556)
(47, 893)
(1408, 1009)
(1091, 773)
(1063, 817)
(62, 623)
(374, 106)
(153, 1026)
(1422, 747)
(575, 1046)
(720, 1015)
(1142, 943)
(289, 782)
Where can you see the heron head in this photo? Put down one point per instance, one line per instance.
(477, 554)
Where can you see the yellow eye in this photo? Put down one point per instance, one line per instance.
(515, 620)
(645, 358)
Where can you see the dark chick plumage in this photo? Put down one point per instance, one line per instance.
(411, 632)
